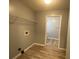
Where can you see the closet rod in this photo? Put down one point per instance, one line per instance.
(23, 18)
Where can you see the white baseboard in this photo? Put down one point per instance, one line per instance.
(62, 49)
(27, 49)
(24, 51)
(39, 44)
(16, 56)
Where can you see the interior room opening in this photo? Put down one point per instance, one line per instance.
(53, 27)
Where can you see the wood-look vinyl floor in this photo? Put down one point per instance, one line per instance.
(52, 43)
(43, 52)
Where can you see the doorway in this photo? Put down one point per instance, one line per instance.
(53, 28)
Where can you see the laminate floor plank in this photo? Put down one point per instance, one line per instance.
(43, 52)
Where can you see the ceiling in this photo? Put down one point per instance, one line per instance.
(39, 5)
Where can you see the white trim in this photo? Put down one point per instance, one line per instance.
(53, 38)
(28, 49)
(39, 44)
(24, 51)
(59, 29)
(62, 49)
(16, 56)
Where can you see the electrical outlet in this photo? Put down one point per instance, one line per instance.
(19, 49)
(22, 52)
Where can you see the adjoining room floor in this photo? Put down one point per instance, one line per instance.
(43, 52)
(52, 43)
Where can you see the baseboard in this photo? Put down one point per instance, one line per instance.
(16, 56)
(62, 49)
(24, 51)
(27, 49)
(39, 44)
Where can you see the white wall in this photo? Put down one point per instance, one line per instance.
(17, 27)
(17, 38)
(20, 10)
(41, 26)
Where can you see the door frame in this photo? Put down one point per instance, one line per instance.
(46, 28)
